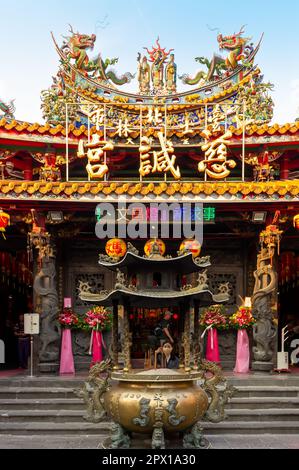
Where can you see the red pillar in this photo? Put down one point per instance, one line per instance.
(284, 167)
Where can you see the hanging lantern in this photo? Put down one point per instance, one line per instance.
(4, 222)
(148, 248)
(191, 245)
(116, 248)
(296, 222)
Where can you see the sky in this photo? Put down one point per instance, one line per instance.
(123, 27)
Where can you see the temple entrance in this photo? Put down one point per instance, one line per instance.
(143, 322)
(16, 299)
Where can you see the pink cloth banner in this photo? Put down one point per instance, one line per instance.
(212, 351)
(97, 351)
(66, 356)
(243, 354)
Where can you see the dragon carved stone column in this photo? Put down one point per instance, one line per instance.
(46, 293)
(264, 331)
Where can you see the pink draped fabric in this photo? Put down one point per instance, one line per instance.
(243, 355)
(66, 356)
(212, 352)
(97, 342)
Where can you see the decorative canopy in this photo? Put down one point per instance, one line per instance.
(184, 264)
(157, 298)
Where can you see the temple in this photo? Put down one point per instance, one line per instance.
(201, 142)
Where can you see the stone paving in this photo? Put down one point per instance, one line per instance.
(265, 441)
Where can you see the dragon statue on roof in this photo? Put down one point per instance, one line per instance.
(7, 108)
(239, 50)
(75, 47)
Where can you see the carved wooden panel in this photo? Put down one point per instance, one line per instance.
(232, 275)
(96, 282)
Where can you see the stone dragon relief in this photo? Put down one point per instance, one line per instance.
(45, 288)
(93, 389)
(264, 331)
(213, 378)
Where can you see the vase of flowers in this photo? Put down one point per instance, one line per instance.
(241, 320)
(67, 320)
(213, 319)
(97, 320)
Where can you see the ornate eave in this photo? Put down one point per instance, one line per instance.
(12, 128)
(185, 264)
(93, 192)
(99, 91)
(156, 296)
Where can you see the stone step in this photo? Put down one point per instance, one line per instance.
(41, 404)
(67, 392)
(103, 429)
(263, 402)
(50, 382)
(69, 428)
(252, 427)
(31, 416)
(76, 416)
(260, 414)
(267, 391)
(36, 392)
(77, 403)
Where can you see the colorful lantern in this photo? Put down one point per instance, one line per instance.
(296, 222)
(116, 248)
(149, 246)
(191, 245)
(4, 222)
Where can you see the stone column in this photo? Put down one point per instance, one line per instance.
(47, 297)
(264, 332)
(115, 335)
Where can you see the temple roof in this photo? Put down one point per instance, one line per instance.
(184, 264)
(193, 191)
(35, 129)
(157, 297)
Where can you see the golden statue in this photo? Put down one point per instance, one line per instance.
(158, 71)
(144, 75)
(171, 75)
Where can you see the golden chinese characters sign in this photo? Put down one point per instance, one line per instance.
(162, 161)
(215, 163)
(96, 168)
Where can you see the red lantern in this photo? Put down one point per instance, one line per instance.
(296, 222)
(4, 222)
(116, 248)
(149, 245)
(191, 245)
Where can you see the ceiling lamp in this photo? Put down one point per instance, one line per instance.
(259, 217)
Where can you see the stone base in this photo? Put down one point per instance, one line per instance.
(262, 366)
(145, 442)
(48, 367)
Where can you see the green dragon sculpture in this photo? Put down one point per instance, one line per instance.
(239, 50)
(259, 105)
(8, 109)
(75, 47)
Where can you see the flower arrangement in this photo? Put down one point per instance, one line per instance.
(242, 318)
(68, 319)
(214, 315)
(98, 319)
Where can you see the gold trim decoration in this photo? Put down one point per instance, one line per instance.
(270, 188)
(47, 130)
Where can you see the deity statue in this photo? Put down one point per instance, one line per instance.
(144, 75)
(158, 56)
(171, 75)
(158, 71)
